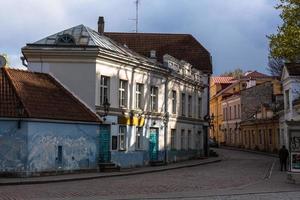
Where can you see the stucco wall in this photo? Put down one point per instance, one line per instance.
(13, 146)
(79, 143)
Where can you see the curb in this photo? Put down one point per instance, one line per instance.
(249, 151)
(25, 182)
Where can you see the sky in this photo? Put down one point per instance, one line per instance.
(233, 31)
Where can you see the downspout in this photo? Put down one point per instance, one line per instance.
(167, 121)
(206, 147)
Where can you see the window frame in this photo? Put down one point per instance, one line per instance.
(174, 101)
(139, 138)
(139, 91)
(183, 104)
(104, 86)
(121, 134)
(123, 93)
(154, 99)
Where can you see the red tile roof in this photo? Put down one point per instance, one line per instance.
(223, 79)
(40, 96)
(181, 46)
(255, 74)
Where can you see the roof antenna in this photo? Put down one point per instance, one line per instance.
(136, 15)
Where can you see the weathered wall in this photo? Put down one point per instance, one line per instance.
(79, 146)
(252, 99)
(13, 146)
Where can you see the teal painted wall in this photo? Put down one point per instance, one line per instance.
(13, 146)
(80, 146)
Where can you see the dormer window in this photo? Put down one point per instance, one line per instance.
(65, 39)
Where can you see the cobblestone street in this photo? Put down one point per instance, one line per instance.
(240, 175)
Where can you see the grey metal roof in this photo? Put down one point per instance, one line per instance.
(85, 36)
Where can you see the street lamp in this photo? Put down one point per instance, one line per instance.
(106, 106)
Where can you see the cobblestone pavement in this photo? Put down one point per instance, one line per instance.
(241, 175)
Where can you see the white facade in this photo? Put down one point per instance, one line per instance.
(94, 74)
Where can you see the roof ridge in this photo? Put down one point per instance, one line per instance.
(6, 73)
(148, 33)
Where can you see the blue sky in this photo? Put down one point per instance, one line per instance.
(234, 31)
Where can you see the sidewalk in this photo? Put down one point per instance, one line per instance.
(249, 151)
(124, 172)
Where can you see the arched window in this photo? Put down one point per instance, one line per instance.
(65, 39)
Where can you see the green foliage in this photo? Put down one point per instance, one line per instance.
(237, 73)
(286, 43)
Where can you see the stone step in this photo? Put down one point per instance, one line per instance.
(108, 167)
(157, 163)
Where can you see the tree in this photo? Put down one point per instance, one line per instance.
(275, 66)
(237, 73)
(286, 43)
(6, 57)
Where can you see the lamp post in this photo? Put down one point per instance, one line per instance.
(106, 106)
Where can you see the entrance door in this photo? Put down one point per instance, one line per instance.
(153, 144)
(104, 154)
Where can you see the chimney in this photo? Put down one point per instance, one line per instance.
(101, 25)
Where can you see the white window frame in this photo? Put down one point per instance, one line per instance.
(104, 86)
(139, 138)
(183, 104)
(199, 107)
(154, 98)
(174, 101)
(123, 93)
(173, 139)
(122, 138)
(139, 90)
(190, 104)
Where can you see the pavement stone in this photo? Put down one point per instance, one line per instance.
(124, 172)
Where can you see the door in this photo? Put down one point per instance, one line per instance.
(153, 144)
(104, 154)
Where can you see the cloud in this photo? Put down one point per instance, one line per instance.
(234, 31)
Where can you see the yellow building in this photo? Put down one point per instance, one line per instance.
(261, 133)
(222, 88)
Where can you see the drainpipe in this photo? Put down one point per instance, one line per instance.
(166, 120)
(206, 147)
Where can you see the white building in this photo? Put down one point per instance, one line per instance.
(154, 105)
(290, 117)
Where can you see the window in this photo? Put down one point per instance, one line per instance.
(287, 99)
(122, 138)
(224, 114)
(139, 96)
(229, 112)
(139, 138)
(270, 136)
(65, 39)
(182, 141)
(59, 154)
(189, 105)
(260, 136)
(235, 114)
(189, 139)
(253, 137)
(154, 99)
(174, 101)
(199, 107)
(173, 139)
(114, 142)
(104, 89)
(183, 104)
(123, 89)
(239, 110)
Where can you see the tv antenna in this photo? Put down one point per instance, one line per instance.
(137, 2)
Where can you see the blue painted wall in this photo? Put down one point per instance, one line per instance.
(80, 146)
(13, 146)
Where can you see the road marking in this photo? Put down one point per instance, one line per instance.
(269, 174)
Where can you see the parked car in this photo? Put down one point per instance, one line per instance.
(212, 143)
